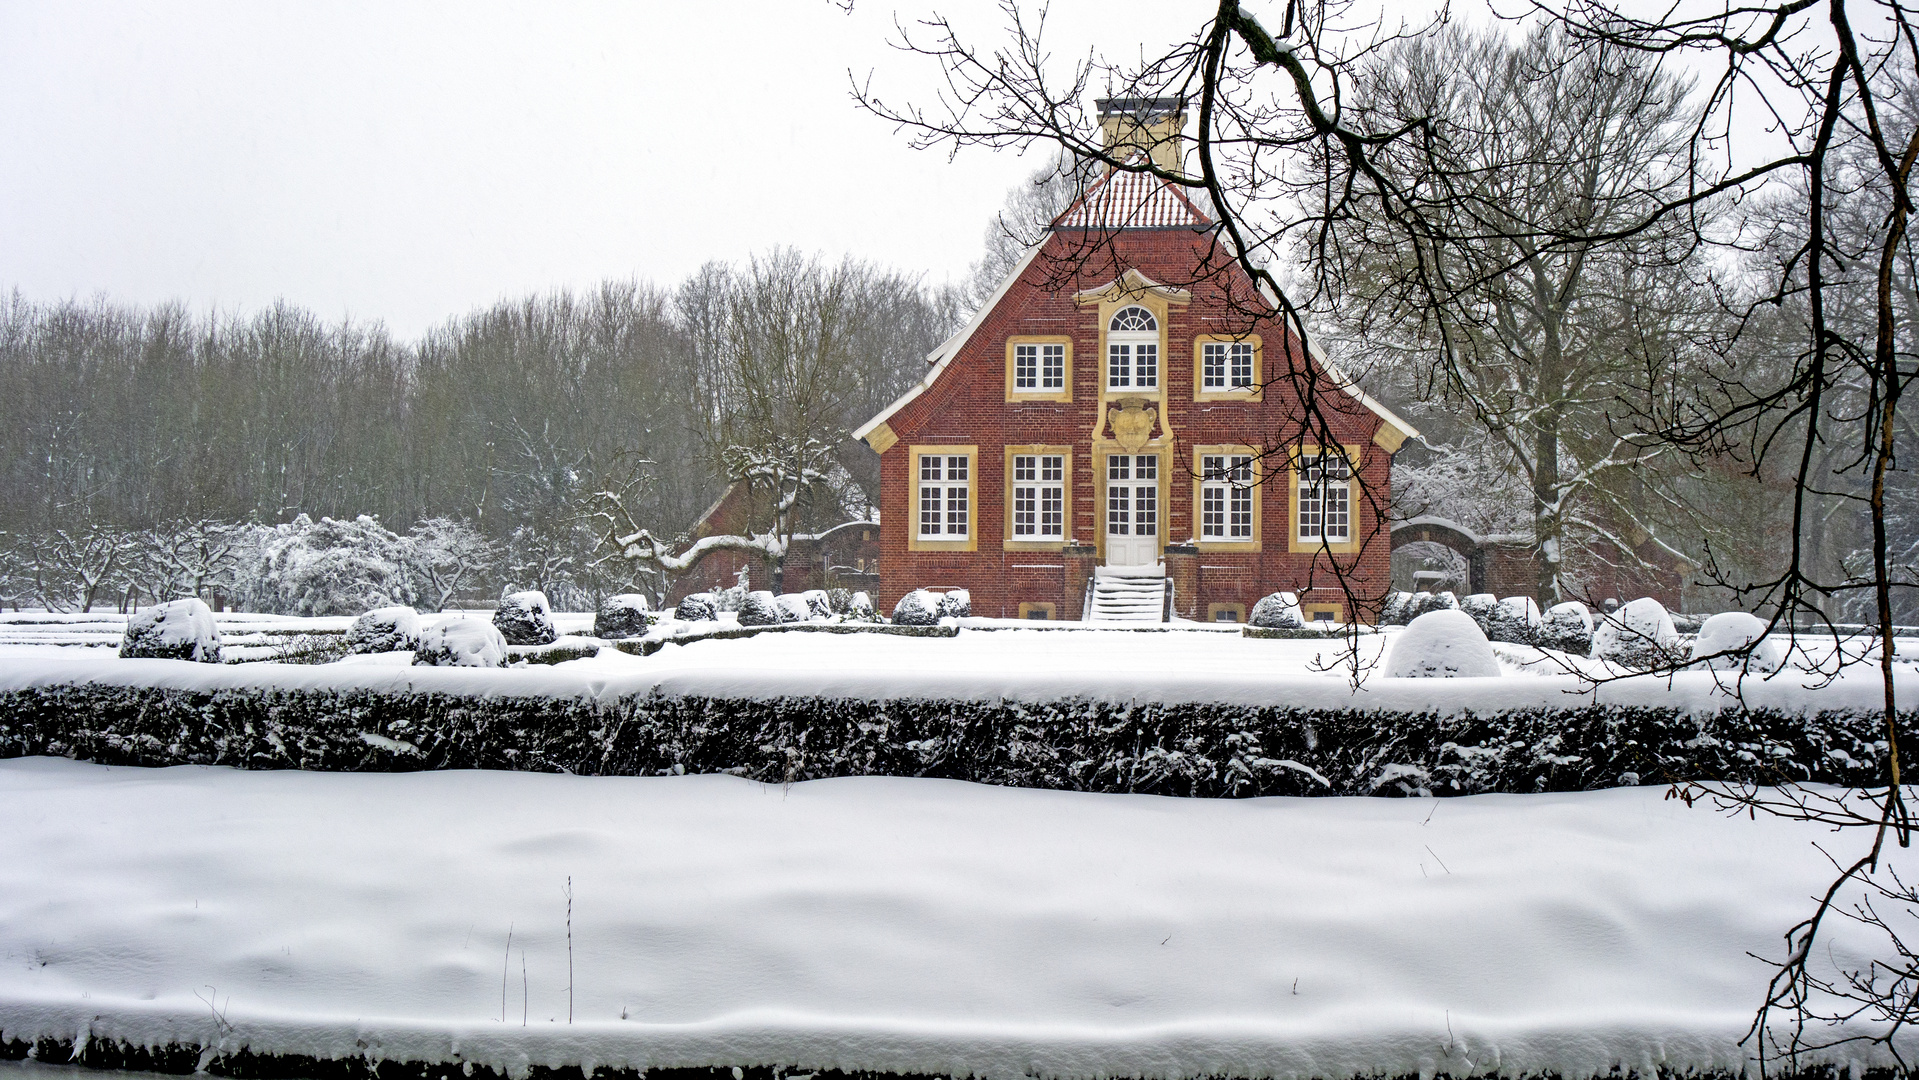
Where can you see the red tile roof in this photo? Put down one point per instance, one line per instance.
(1132, 200)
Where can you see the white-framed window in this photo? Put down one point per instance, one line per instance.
(1325, 497)
(1039, 496)
(1039, 367)
(1226, 365)
(1132, 495)
(1226, 497)
(1132, 350)
(945, 496)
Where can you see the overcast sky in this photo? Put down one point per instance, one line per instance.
(408, 161)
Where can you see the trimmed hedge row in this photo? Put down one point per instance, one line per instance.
(1078, 745)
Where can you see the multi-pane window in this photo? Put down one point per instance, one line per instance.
(1226, 497)
(945, 496)
(1132, 350)
(1226, 365)
(1039, 367)
(1039, 496)
(1132, 495)
(1325, 497)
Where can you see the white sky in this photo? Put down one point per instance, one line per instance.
(409, 161)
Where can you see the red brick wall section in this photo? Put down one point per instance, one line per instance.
(967, 405)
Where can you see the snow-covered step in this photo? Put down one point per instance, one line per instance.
(1129, 594)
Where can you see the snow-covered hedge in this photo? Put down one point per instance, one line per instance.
(387, 629)
(525, 618)
(460, 642)
(1171, 748)
(1279, 611)
(175, 630)
(621, 616)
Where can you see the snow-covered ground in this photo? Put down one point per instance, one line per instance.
(920, 926)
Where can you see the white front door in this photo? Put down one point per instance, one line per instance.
(1132, 510)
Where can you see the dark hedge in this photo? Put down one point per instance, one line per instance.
(1074, 745)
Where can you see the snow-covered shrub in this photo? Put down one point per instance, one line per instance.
(325, 567)
(760, 608)
(176, 630)
(1396, 611)
(696, 607)
(1639, 635)
(621, 616)
(524, 618)
(859, 607)
(917, 608)
(793, 607)
(1515, 619)
(1481, 607)
(387, 629)
(1732, 632)
(461, 642)
(818, 603)
(1567, 627)
(955, 604)
(1279, 611)
(1422, 603)
(1441, 645)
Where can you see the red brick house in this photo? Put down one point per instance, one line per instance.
(1130, 408)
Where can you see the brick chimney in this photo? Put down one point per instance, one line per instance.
(1155, 126)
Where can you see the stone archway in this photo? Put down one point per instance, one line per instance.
(1448, 534)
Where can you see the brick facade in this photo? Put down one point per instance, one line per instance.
(1067, 293)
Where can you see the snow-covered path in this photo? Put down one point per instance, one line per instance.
(891, 924)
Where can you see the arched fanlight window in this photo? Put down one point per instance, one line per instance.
(1132, 350)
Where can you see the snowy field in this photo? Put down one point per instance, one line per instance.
(918, 926)
(989, 660)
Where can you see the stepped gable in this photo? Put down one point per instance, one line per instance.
(1132, 200)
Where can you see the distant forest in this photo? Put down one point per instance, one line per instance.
(127, 418)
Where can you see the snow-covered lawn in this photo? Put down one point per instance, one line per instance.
(920, 926)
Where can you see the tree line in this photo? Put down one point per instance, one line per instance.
(130, 429)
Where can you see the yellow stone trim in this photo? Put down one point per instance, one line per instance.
(881, 438)
(1390, 437)
(1310, 610)
(1259, 499)
(1307, 547)
(1028, 607)
(1245, 393)
(1066, 480)
(1213, 610)
(1064, 393)
(913, 541)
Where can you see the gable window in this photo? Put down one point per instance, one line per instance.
(1039, 367)
(1325, 497)
(1132, 350)
(1039, 496)
(946, 496)
(1226, 497)
(1226, 365)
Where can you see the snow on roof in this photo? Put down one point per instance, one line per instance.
(1132, 200)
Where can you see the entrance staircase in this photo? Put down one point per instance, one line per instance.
(1128, 594)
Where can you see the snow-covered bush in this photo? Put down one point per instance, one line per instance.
(324, 567)
(859, 607)
(760, 608)
(818, 603)
(917, 608)
(1421, 603)
(793, 607)
(1639, 635)
(387, 629)
(176, 630)
(621, 616)
(1734, 632)
(696, 607)
(1515, 619)
(1396, 611)
(461, 642)
(1279, 611)
(1481, 607)
(1441, 645)
(525, 618)
(955, 604)
(1567, 627)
